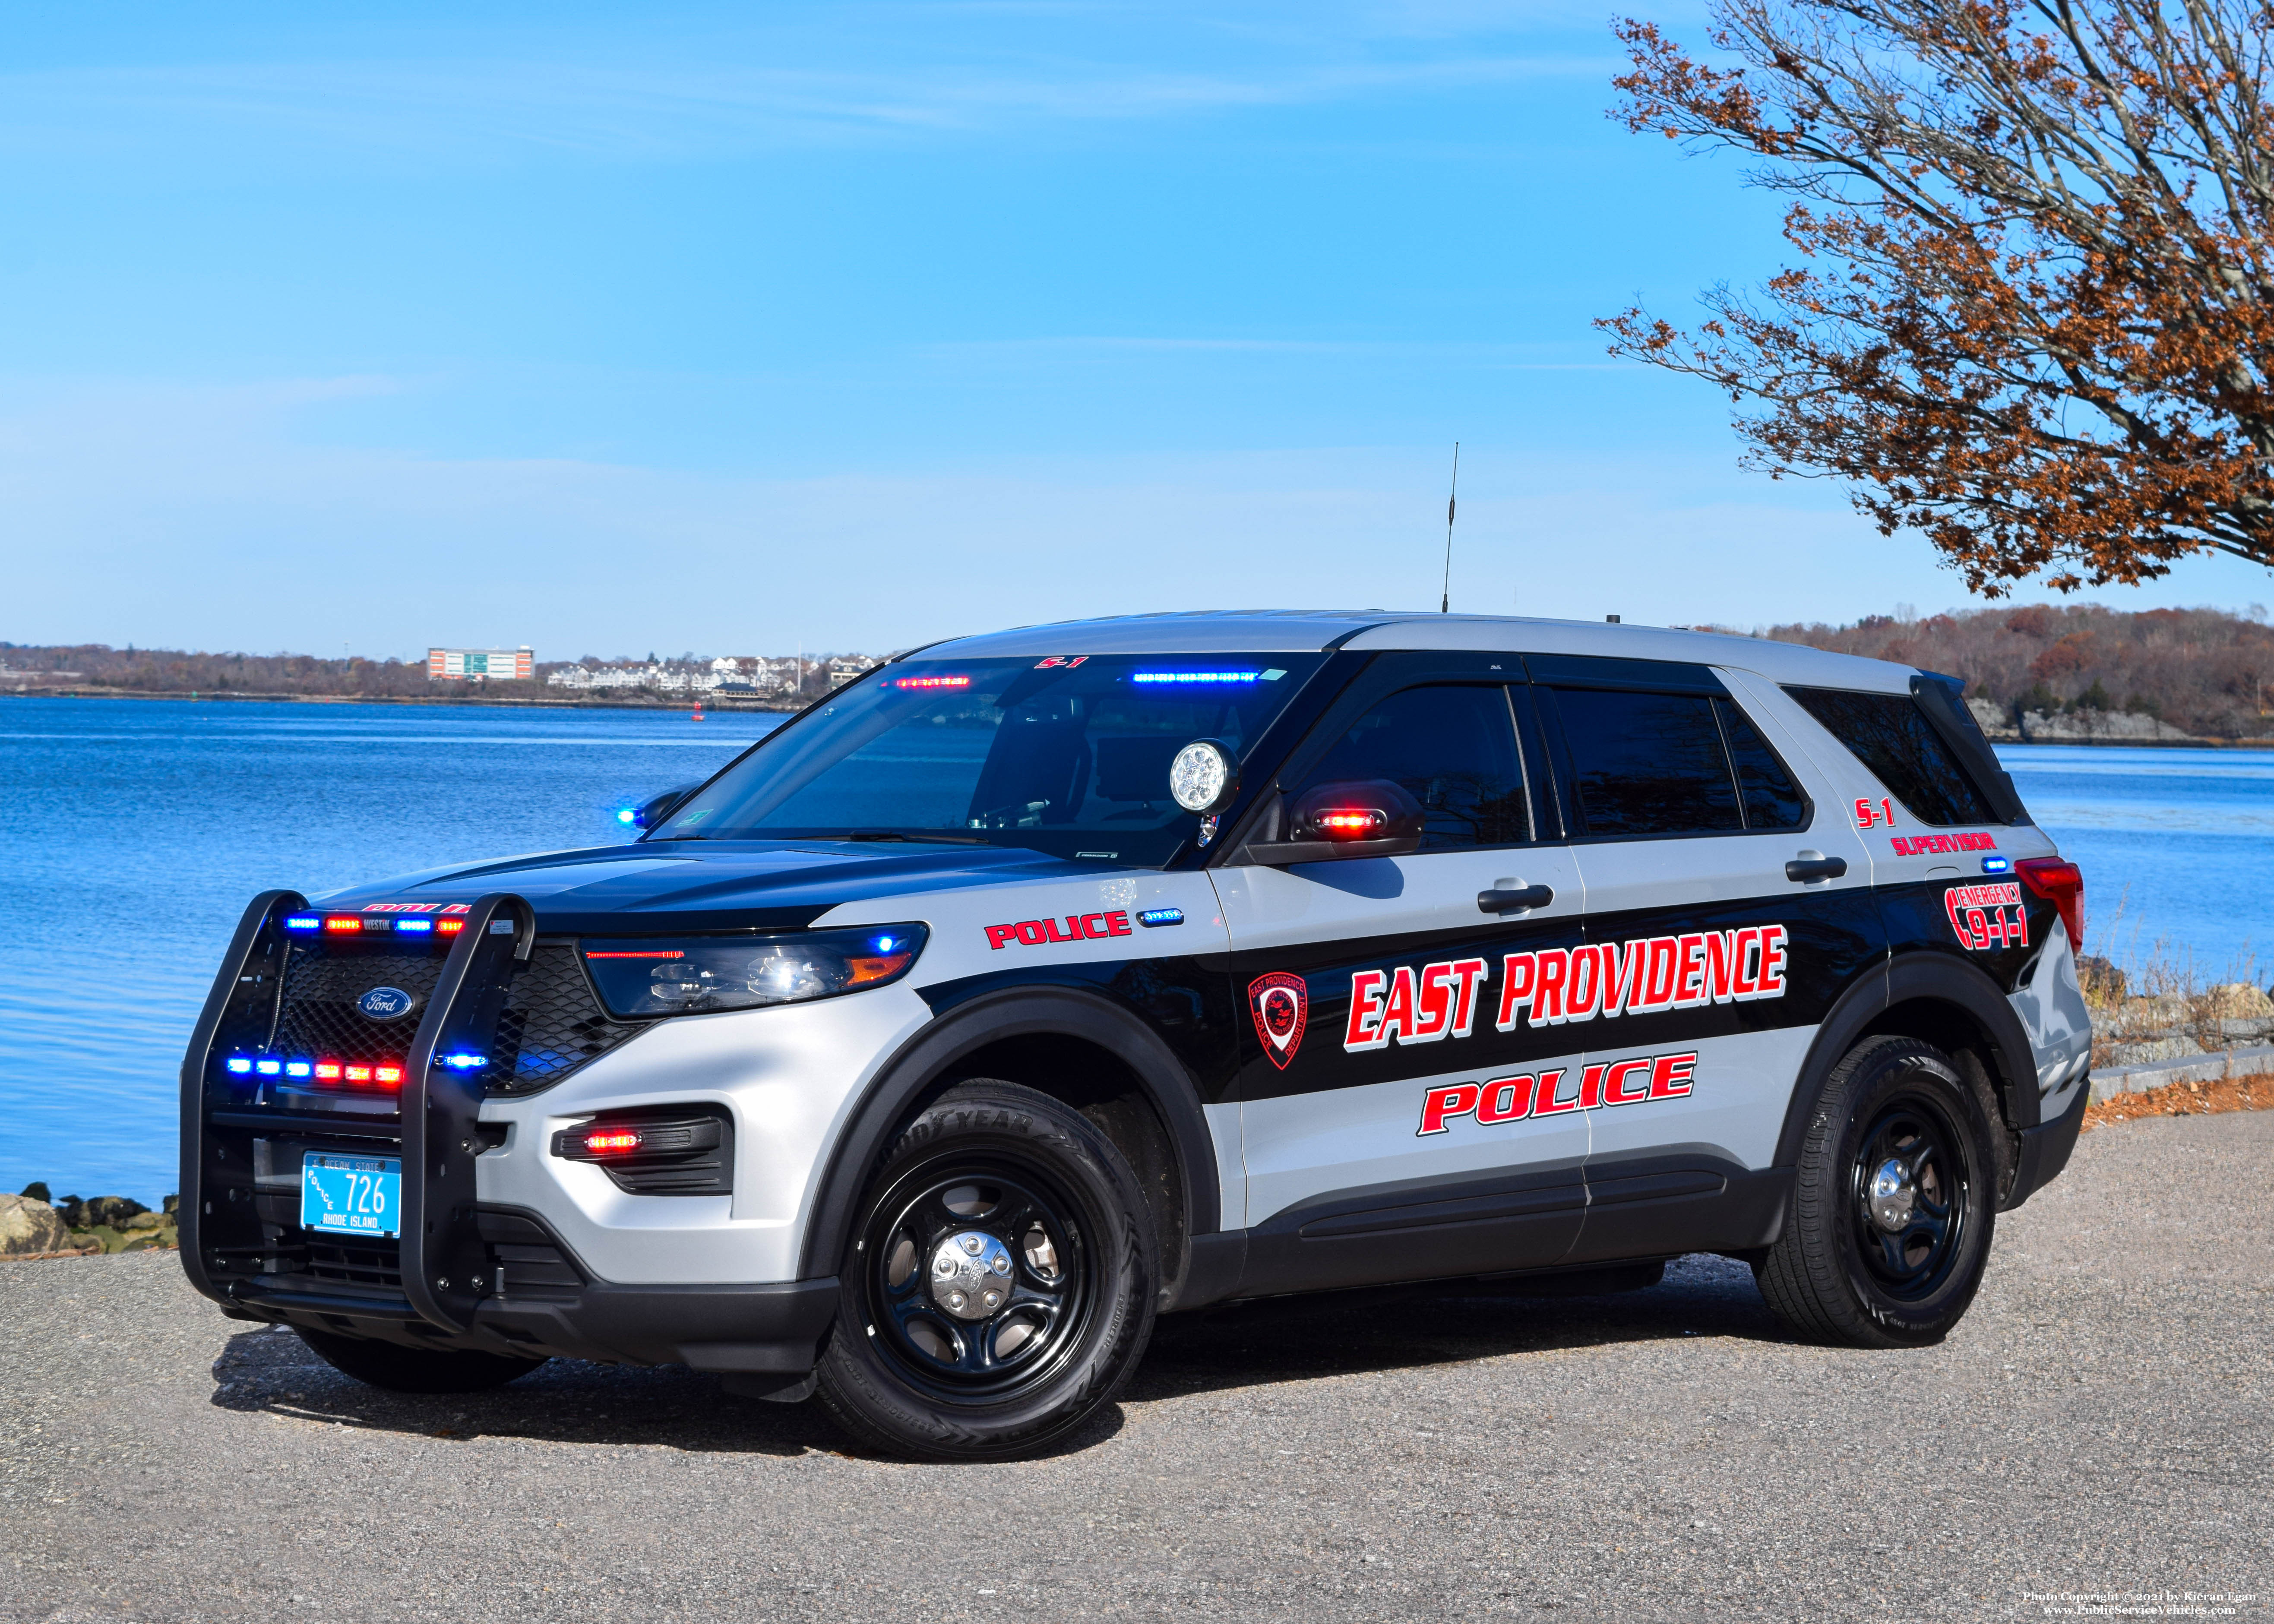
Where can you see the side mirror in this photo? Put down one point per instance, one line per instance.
(1370, 817)
(652, 811)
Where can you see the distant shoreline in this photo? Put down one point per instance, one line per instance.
(783, 707)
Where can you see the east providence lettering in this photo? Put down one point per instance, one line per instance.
(1561, 986)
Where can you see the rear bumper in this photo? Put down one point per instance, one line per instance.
(2046, 1148)
(774, 1329)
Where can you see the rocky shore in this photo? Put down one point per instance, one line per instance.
(35, 1225)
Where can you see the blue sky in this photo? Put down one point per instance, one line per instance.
(729, 328)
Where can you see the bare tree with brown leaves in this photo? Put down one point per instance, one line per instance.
(2034, 318)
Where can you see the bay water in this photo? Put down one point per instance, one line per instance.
(133, 832)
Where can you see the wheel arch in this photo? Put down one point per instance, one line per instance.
(1036, 1036)
(1941, 1000)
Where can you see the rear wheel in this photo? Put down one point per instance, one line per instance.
(414, 1370)
(1894, 1203)
(1000, 1283)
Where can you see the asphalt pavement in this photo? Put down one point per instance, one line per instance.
(2101, 1424)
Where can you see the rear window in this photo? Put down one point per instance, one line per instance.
(1890, 734)
(1672, 765)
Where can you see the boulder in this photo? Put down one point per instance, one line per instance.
(113, 1210)
(145, 1220)
(37, 1189)
(2103, 982)
(2238, 1000)
(29, 1227)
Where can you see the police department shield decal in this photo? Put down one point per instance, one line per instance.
(1281, 1005)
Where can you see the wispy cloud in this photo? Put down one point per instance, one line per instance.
(640, 103)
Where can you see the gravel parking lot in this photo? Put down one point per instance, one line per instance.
(2101, 1424)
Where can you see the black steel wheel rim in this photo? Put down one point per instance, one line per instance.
(1909, 1183)
(972, 1352)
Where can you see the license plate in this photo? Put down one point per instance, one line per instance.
(351, 1195)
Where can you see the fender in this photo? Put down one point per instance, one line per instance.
(1906, 978)
(1029, 1011)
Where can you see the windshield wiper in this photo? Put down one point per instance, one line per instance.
(895, 834)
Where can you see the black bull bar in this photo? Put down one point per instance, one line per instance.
(442, 1254)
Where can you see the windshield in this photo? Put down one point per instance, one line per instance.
(1068, 755)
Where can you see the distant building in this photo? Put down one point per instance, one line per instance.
(844, 667)
(457, 664)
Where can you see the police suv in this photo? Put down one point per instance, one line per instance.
(1039, 983)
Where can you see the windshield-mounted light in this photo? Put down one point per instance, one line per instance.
(688, 975)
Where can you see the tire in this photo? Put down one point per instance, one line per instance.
(1891, 1263)
(993, 1187)
(414, 1370)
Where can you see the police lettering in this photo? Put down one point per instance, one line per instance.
(1636, 1080)
(1073, 928)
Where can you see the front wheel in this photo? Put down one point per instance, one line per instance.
(1894, 1203)
(1000, 1281)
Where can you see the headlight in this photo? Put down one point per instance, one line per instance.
(686, 974)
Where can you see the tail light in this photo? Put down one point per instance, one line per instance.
(2061, 883)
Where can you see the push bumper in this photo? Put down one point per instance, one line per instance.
(463, 1273)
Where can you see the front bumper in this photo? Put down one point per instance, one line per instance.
(730, 1329)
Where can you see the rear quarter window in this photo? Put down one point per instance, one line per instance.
(1890, 735)
(1646, 763)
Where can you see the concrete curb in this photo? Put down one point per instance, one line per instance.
(2251, 1062)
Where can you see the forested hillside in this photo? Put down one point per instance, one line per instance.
(2204, 671)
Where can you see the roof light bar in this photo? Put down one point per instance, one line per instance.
(1194, 676)
(931, 682)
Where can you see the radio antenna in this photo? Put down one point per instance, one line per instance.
(1445, 603)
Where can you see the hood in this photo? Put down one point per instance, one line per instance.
(713, 885)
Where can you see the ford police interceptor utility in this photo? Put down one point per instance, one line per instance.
(1039, 983)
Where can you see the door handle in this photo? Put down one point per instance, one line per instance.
(1499, 900)
(1803, 869)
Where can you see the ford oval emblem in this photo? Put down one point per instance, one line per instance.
(387, 1004)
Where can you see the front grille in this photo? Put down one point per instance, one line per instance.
(363, 1263)
(321, 984)
(551, 1024)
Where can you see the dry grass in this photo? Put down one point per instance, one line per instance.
(2227, 1094)
(2166, 992)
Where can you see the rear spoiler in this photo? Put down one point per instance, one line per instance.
(1942, 699)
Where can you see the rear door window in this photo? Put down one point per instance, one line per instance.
(1453, 748)
(1890, 735)
(1646, 763)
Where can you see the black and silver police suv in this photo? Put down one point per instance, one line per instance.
(1039, 983)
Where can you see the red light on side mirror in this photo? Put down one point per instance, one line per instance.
(2061, 883)
(1350, 822)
